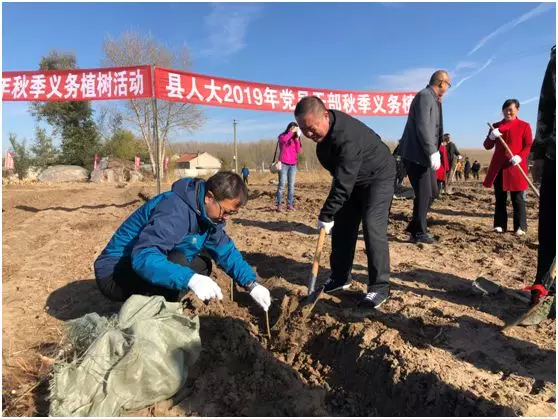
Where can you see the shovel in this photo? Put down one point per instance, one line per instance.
(308, 302)
(547, 282)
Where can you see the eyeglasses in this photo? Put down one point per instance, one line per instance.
(224, 213)
(445, 81)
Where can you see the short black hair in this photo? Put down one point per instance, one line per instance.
(309, 104)
(228, 185)
(510, 102)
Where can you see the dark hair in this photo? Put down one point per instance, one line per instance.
(510, 102)
(436, 77)
(309, 104)
(228, 185)
(291, 124)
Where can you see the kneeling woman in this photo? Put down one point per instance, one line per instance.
(502, 172)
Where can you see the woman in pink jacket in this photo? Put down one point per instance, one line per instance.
(289, 147)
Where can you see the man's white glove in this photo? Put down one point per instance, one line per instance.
(204, 287)
(326, 225)
(261, 295)
(494, 134)
(459, 157)
(515, 160)
(435, 162)
(299, 132)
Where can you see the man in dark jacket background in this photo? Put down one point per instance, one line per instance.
(543, 151)
(453, 152)
(159, 249)
(363, 171)
(419, 150)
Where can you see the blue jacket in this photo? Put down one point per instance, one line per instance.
(174, 220)
(245, 172)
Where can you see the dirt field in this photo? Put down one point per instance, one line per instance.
(433, 349)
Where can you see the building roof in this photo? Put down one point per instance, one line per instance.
(185, 158)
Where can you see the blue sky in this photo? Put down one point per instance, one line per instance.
(493, 51)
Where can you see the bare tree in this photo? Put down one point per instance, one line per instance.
(133, 49)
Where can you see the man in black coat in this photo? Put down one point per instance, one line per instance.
(363, 171)
(453, 152)
(419, 150)
(544, 156)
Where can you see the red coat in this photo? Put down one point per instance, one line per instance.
(517, 135)
(444, 166)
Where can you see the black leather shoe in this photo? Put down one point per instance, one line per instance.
(425, 238)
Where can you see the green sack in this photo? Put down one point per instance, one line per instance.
(131, 362)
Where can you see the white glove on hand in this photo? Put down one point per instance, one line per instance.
(494, 134)
(204, 287)
(459, 157)
(435, 162)
(326, 225)
(261, 295)
(299, 132)
(515, 160)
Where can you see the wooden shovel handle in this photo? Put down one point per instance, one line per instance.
(318, 252)
(533, 187)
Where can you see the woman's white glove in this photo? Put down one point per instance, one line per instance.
(435, 162)
(261, 295)
(494, 134)
(204, 287)
(515, 160)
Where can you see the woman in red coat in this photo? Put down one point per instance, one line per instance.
(502, 173)
(441, 173)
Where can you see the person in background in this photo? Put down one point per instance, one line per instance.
(245, 173)
(453, 152)
(442, 172)
(475, 169)
(400, 171)
(467, 168)
(502, 173)
(420, 142)
(458, 170)
(289, 146)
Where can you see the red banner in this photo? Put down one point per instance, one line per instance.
(174, 85)
(78, 84)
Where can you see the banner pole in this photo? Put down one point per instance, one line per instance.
(235, 149)
(156, 131)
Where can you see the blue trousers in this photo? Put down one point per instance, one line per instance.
(287, 173)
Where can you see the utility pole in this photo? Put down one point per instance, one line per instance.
(235, 149)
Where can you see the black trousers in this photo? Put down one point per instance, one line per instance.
(400, 174)
(125, 282)
(245, 179)
(423, 180)
(475, 175)
(547, 220)
(369, 204)
(500, 210)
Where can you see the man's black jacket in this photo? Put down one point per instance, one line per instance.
(355, 156)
